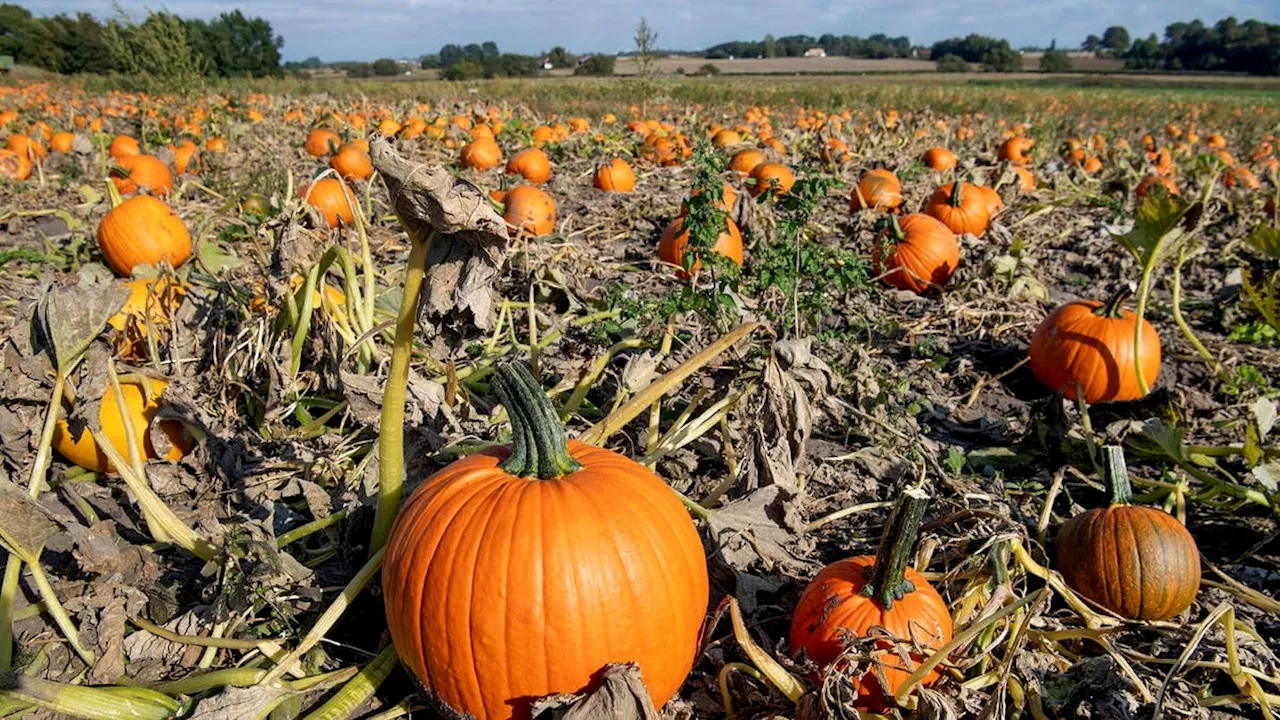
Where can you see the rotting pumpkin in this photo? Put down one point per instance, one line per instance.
(544, 548)
(82, 449)
(851, 597)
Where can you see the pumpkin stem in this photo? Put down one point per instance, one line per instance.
(956, 188)
(888, 576)
(1116, 475)
(113, 194)
(538, 445)
(1113, 308)
(895, 229)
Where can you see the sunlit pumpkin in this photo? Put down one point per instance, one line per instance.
(939, 158)
(529, 209)
(481, 154)
(540, 602)
(771, 177)
(79, 447)
(332, 199)
(532, 164)
(143, 230)
(877, 189)
(142, 172)
(62, 142)
(916, 253)
(322, 142)
(615, 176)
(960, 207)
(744, 161)
(13, 166)
(352, 163)
(675, 238)
(1016, 149)
(123, 146)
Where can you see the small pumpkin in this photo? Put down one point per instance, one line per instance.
(352, 163)
(123, 146)
(482, 153)
(333, 200)
(322, 142)
(544, 551)
(744, 161)
(1151, 181)
(62, 143)
(532, 164)
(940, 159)
(14, 166)
(143, 230)
(183, 155)
(529, 209)
(142, 172)
(772, 177)
(28, 147)
(877, 189)
(916, 253)
(726, 138)
(857, 595)
(1016, 149)
(82, 450)
(1087, 347)
(216, 145)
(675, 238)
(960, 207)
(1138, 562)
(615, 176)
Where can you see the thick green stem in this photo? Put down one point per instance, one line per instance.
(1144, 291)
(1116, 475)
(538, 444)
(1114, 308)
(957, 198)
(1182, 323)
(358, 689)
(391, 427)
(888, 576)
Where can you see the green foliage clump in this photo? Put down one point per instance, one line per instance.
(600, 65)
(1055, 61)
(952, 63)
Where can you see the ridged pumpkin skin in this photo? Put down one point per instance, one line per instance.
(500, 590)
(142, 172)
(143, 231)
(1076, 346)
(877, 189)
(962, 209)
(771, 177)
(1138, 562)
(530, 210)
(83, 450)
(833, 605)
(617, 176)
(926, 255)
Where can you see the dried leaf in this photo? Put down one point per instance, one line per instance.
(759, 528)
(25, 527)
(621, 696)
(470, 238)
(425, 403)
(1264, 415)
(1268, 475)
(780, 430)
(247, 703)
(71, 317)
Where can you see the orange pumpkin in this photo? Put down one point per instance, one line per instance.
(82, 450)
(123, 146)
(143, 230)
(332, 199)
(216, 145)
(530, 209)
(918, 253)
(62, 142)
(877, 189)
(322, 142)
(544, 552)
(865, 594)
(532, 164)
(1138, 562)
(744, 161)
(1151, 181)
(1016, 149)
(28, 147)
(960, 207)
(772, 177)
(352, 163)
(726, 138)
(1087, 347)
(616, 176)
(183, 154)
(675, 238)
(940, 159)
(142, 172)
(481, 154)
(13, 166)
(151, 304)
(1026, 180)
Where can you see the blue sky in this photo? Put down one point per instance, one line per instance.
(365, 29)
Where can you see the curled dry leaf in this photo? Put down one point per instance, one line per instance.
(25, 527)
(780, 430)
(621, 696)
(763, 527)
(69, 318)
(470, 242)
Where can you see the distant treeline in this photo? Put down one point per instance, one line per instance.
(1250, 47)
(876, 46)
(231, 45)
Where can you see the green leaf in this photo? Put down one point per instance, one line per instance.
(216, 260)
(1266, 240)
(1155, 439)
(1156, 230)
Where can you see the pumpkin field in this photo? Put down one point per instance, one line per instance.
(637, 398)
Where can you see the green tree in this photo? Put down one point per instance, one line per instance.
(952, 63)
(770, 46)
(1116, 39)
(1091, 44)
(450, 54)
(243, 47)
(1002, 59)
(1055, 61)
(560, 58)
(155, 53)
(81, 41)
(27, 39)
(596, 65)
(646, 62)
(385, 67)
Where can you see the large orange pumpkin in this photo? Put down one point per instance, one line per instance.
(530, 209)
(1139, 562)
(616, 176)
(959, 207)
(352, 163)
(142, 172)
(524, 570)
(322, 142)
(916, 253)
(675, 238)
(855, 596)
(143, 230)
(772, 177)
(482, 153)
(877, 189)
(332, 199)
(83, 450)
(1087, 346)
(532, 164)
